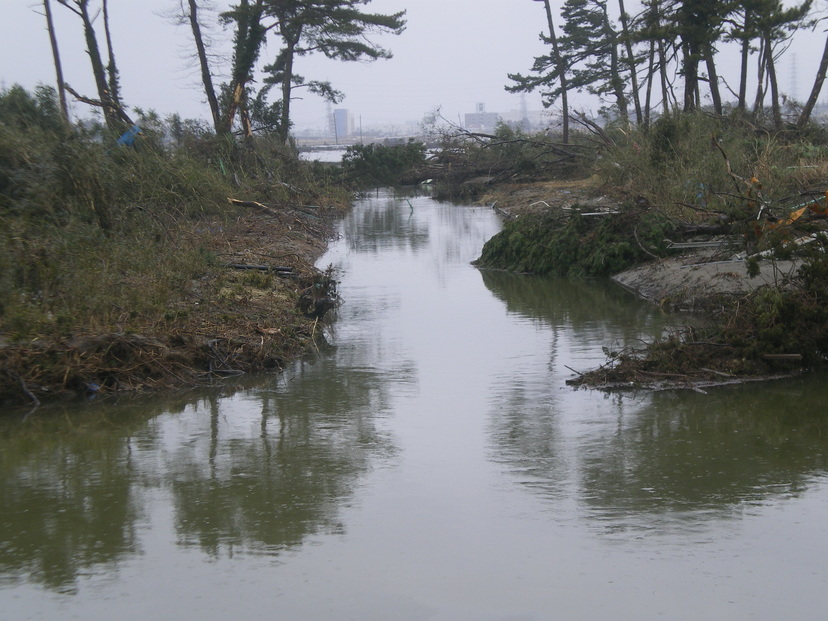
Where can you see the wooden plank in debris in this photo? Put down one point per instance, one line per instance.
(711, 263)
(700, 244)
(263, 268)
(255, 205)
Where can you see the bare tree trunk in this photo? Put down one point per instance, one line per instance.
(97, 65)
(112, 67)
(206, 75)
(808, 108)
(618, 86)
(287, 89)
(774, 85)
(61, 89)
(561, 71)
(625, 33)
(759, 100)
(713, 78)
(649, 88)
(743, 69)
(247, 126)
(697, 92)
(616, 81)
(691, 77)
(662, 71)
(236, 101)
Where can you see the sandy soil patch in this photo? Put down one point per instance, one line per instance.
(688, 282)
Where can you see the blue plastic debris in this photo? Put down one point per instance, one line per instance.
(91, 390)
(129, 136)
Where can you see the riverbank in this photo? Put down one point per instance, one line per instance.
(688, 280)
(255, 305)
(752, 319)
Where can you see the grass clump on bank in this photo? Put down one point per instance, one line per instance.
(574, 244)
(702, 168)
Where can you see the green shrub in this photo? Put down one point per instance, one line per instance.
(578, 246)
(372, 165)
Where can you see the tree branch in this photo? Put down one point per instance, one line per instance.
(107, 105)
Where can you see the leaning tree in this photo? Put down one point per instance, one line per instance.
(338, 29)
(105, 75)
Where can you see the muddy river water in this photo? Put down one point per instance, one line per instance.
(429, 464)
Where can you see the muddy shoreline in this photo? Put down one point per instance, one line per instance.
(236, 321)
(688, 281)
(707, 282)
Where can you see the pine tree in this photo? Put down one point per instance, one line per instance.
(549, 74)
(592, 43)
(339, 29)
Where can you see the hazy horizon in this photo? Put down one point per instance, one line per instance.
(453, 55)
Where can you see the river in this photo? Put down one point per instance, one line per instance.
(430, 463)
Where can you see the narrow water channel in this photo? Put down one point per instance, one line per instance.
(429, 464)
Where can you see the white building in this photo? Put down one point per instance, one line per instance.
(480, 120)
(343, 123)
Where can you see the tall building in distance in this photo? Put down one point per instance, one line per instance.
(480, 120)
(343, 123)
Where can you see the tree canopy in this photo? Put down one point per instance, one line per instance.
(338, 29)
(606, 52)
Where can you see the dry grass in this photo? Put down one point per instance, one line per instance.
(123, 250)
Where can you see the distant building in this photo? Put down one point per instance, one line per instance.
(481, 120)
(343, 122)
(527, 120)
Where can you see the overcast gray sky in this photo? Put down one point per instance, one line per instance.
(453, 54)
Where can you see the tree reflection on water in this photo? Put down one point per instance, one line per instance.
(259, 471)
(649, 461)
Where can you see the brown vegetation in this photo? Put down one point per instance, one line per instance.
(225, 323)
(126, 267)
(700, 214)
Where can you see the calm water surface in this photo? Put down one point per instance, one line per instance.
(431, 464)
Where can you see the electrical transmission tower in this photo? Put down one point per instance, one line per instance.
(793, 93)
(330, 125)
